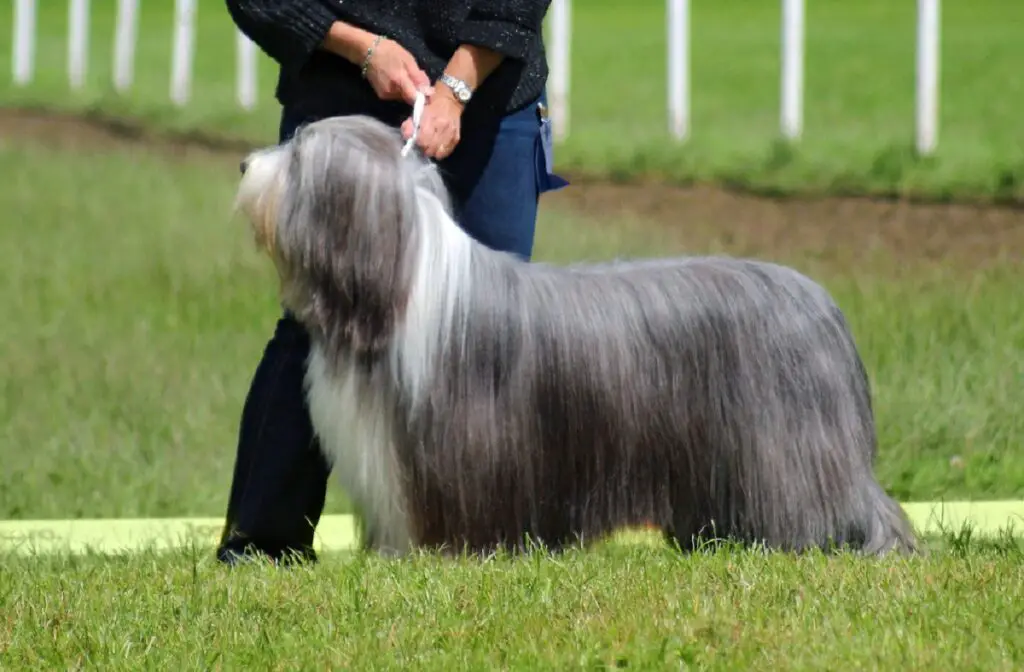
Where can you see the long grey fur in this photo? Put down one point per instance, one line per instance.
(709, 396)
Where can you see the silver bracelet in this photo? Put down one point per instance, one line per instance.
(369, 53)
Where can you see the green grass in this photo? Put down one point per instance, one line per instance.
(859, 93)
(135, 310)
(635, 607)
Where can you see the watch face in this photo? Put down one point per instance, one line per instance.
(463, 94)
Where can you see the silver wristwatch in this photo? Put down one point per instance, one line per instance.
(459, 88)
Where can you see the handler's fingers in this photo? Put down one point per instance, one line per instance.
(409, 89)
(407, 129)
(414, 81)
(449, 146)
(446, 148)
(427, 137)
(444, 142)
(419, 79)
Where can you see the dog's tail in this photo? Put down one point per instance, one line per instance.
(888, 527)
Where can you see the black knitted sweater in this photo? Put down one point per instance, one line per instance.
(317, 82)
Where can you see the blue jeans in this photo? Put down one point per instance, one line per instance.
(495, 176)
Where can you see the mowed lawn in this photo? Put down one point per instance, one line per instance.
(135, 310)
(859, 121)
(616, 607)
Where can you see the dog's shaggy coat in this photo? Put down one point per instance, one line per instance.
(471, 401)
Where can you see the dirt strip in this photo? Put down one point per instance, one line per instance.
(960, 234)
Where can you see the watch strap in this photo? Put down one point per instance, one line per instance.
(461, 90)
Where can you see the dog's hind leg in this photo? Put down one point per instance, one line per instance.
(887, 527)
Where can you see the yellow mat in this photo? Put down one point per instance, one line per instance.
(338, 532)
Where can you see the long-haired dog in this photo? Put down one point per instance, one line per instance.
(471, 401)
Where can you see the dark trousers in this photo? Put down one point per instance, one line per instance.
(495, 177)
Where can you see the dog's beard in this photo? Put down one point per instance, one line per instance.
(258, 198)
(259, 194)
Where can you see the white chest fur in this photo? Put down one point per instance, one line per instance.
(350, 419)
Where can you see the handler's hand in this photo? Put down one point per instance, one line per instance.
(393, 73)
(440, 126)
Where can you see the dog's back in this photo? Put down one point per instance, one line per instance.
(693, 393)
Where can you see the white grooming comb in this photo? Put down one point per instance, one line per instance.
(417, 114)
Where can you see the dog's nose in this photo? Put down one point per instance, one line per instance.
(243, 165)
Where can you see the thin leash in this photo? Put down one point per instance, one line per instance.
(417, 115)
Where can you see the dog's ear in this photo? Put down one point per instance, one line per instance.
(351, 211)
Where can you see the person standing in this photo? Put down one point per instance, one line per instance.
(483, 67)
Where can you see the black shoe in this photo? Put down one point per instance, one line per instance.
(238, 549)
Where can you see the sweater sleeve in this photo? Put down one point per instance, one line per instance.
(509, 27)
(288, 31)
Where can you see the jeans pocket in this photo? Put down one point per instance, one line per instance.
(547, 179)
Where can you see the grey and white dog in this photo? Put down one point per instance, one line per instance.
(471, 401)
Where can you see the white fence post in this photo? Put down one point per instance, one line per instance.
(679, 68)
(125, 36)
(679, 83)
(78, 42)
(24, 47)
(246, 71)
(792, 93)
(184, 47)
(561, 34)
(927, 112)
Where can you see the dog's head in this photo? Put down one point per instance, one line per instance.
(335, 209)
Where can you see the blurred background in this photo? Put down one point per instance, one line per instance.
(135, 308)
